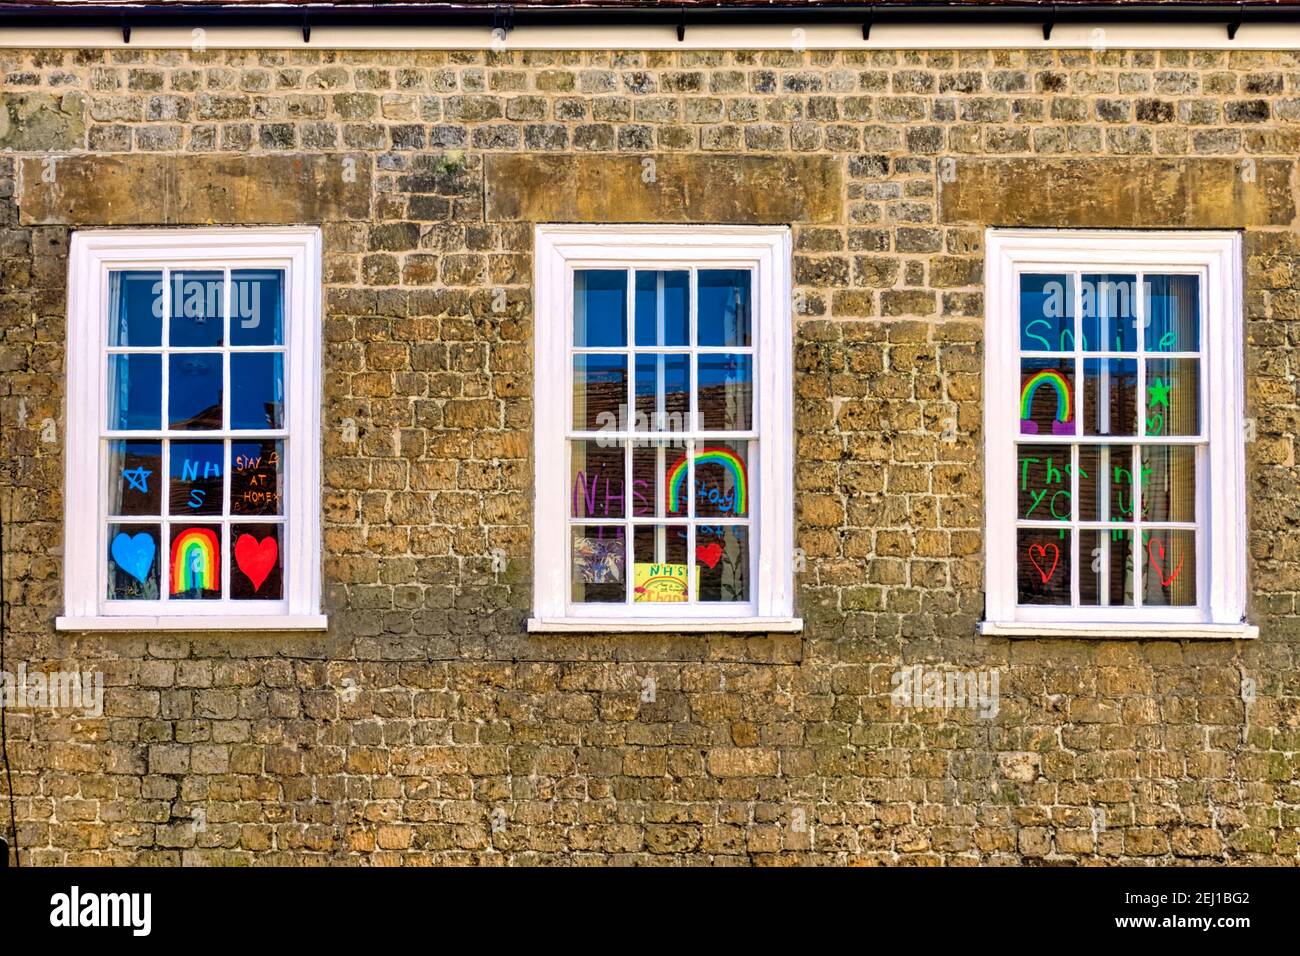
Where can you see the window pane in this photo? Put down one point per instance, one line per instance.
(194, 565)
(722, 563)
(1043, 482)
(721, 480)
(1106, 568)
(198, 308)
(600, 308)
(599, 559)
(1046, 313)
(135, 308)
(257, 390)
(600, 393)
(1047, 397)
(663, 306)
(597, 479)
(135, 478)
(726, 398)
(195, 388)
(1043, 566)
(723, 307)
(660, 569)
(257, 477)
(1173, 397)
(650, 462)
(134, 392)
(1168, 483)
(1109, 316)
(196, 477)
(663, 393)
(1173, 309)
(257, 569)
(257, 307)
(1169, 575)
(1110, 396)
(133, 562)
(1106, 482)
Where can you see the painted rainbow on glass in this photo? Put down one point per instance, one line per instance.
(195, 561)
(1053, 378)
(725, 457)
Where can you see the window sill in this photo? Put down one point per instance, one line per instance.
(1105, 630)
(247, 622)
(684, 625)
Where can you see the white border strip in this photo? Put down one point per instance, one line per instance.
(948, 36)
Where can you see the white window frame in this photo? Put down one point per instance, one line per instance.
(93, 254)
(558, 251)
(1221, 558)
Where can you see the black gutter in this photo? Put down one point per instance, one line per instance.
(506, 17)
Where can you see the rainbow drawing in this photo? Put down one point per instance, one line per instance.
(725, 457)
(195, 561)
(1062, 425)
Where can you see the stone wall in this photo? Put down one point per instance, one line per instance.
(426, 725)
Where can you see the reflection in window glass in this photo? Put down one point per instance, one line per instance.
(198, 310)
(1173, 309)
(726, 392)
(1046, 313)
(1109, 312)
(600, 308)
(257, 307)
(663, 308)
(257, 390)
(195, 390)
(135, 307)
(134, 392)
(723, 307)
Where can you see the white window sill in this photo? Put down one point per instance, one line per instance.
(245, 622)
(1174, 632)
(747, 625)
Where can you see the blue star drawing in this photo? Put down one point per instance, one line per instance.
(137, 478)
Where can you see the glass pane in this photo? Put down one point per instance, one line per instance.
(135, 308)
(723, 307)
(1110, 396)
(195, 389)
(1109, 313)
(257, 477)
(600, 393)
(600, 308)
(1168, 483)
(599, 559)
(196, 477)
(1173, 397)
(1173, 313)
(257, 307)
(596, 472)
(663, 308)
(1043, 473)
(198, 308)
(1046, 396)
(257, 562)
(1169, 576)
(722, 480)
(195, 562)
(1043, 566)
(257, 390)
(659, 571)
(650, 462)
(1106, 568)
(663, 393)
(1106, 482)
(133, 562)
(134, 392)
(722, 562)
(135, 478)
(726, 398)
(1046, 313)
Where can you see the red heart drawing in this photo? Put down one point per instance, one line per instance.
(1041, 549)
(256, 558)
(1156, 562)
(709, 554)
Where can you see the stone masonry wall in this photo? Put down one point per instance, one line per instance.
(426, 725)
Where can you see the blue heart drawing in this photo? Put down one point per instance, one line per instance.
(134, 555)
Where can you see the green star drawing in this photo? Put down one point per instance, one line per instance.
(1158, 393)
